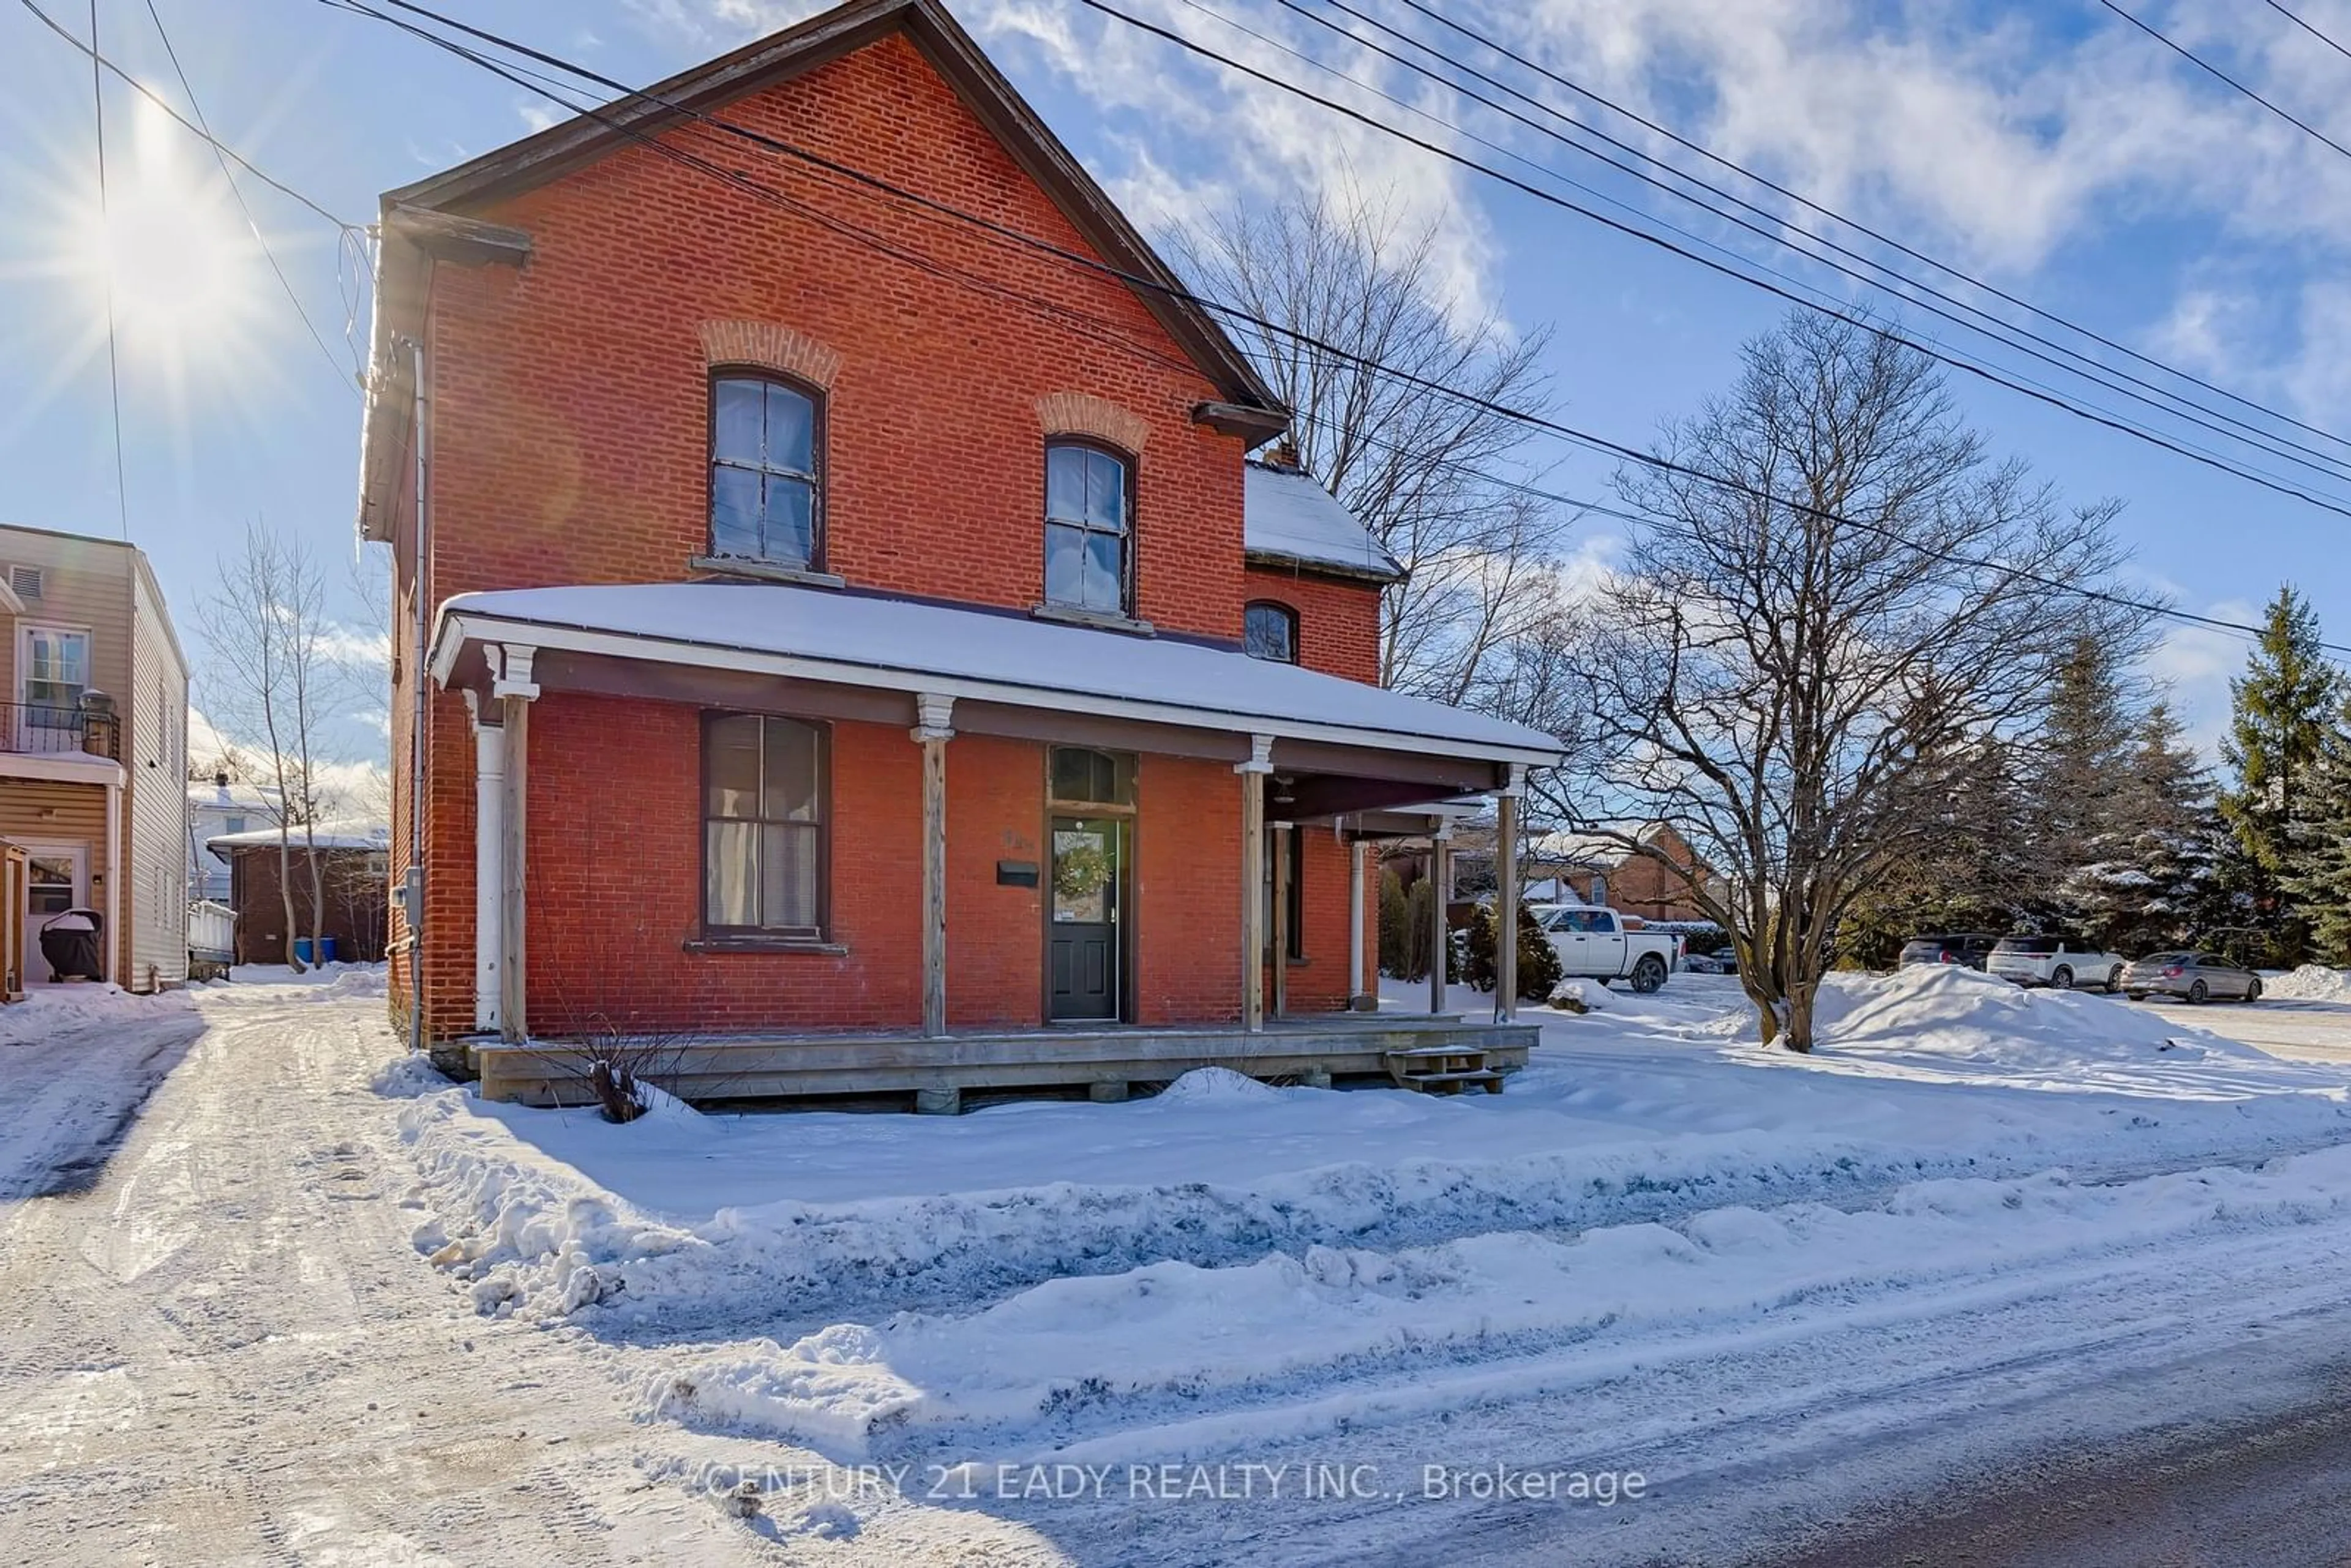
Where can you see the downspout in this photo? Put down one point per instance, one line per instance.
(116, 864)
(419, 437)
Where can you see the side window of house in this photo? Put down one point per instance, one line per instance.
(1269, 631)
(766, 482)
(765, 793)
(1089, 532)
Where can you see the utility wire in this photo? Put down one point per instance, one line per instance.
(2217, 74)
(1551, 198)
(98, 60)
(1100, 329)
(106, 227)
(1534, 421)
(205, 131)
(1764, 181)
(2072, 360)
(2306, 27)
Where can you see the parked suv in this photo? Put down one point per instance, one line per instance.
(1968, 947)
(2059, 962)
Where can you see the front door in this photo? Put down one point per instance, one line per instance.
(1083, 930)
(53, 884)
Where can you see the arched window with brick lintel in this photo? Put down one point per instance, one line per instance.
(1089, 526)
(766, 468)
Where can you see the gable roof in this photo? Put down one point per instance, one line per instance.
(431, 216)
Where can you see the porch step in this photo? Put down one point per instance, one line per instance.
(1442, 1069)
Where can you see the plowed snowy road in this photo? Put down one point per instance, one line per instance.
(226, 1349)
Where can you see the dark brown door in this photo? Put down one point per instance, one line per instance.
(1081, 935)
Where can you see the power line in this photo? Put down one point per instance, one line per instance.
(106, 228)
(205, 131)
(98, 60)
(2306, 27)
(2073, 362)
(1809, 205)
(1602, 445)
(1551, 198)
(2217, 74)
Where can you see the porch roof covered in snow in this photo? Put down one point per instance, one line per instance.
(837, 655)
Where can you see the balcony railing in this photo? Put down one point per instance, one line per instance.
(29, 726)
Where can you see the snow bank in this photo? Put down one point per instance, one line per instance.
(1206, 1084)
(48, 1012)
(1944, 1017)
(1180, 1337)
(1656, 1112)
(2310, 983)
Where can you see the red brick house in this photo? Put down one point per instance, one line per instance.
(847, 623)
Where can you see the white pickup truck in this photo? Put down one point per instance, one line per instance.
(1594, 943)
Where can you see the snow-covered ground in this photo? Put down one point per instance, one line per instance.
(1670, 1297)
(76, 1061)
(1662, 1235)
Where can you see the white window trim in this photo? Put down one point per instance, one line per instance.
(25, 633)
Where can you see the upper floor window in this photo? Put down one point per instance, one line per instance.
(54, 662)
(1089, 516)
(1269, 631)
(766, 486)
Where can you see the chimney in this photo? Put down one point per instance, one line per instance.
(220, 779)
(1283, 457)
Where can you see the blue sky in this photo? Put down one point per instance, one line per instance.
(2044, 147)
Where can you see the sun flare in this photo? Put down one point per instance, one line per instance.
(173, 250)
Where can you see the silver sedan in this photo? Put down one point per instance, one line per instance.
(2198, 977)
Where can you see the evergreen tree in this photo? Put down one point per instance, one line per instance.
(2166, 889)
(2317, 881)
(2088, 804)
(2284, 705)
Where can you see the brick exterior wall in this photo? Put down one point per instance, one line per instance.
(1338, 620)
(570, 442)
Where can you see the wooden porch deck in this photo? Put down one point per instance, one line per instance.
(1106, 1061)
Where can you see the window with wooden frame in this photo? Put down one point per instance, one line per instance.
(766, 793)
(1089, 527)
(766, 469)
(1269, 631)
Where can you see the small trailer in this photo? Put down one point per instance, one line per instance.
(212, 939)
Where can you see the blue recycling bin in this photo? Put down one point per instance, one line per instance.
(326, 950)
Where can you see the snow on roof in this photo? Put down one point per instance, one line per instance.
(898, 645)
(348, 834)
(1289, 513)
(1601, 850)
(232, 798)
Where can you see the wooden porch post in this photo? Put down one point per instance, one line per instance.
(932, 730)
(1253, 775)
(1356, 995)
(511, 683)
(1440, 888)
(1506, 901)
(1281, 942)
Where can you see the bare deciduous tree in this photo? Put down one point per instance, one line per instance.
(1405, 458)
(272, 684)
(1804, 675)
